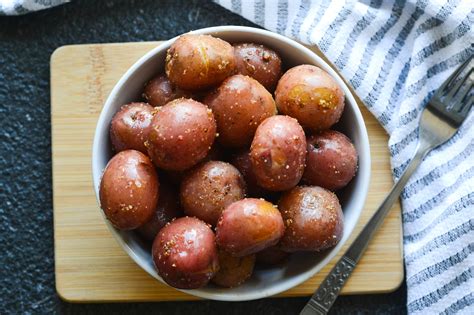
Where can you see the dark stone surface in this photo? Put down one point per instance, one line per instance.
(26, 223)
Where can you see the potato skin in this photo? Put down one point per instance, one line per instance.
(313, 219)
(233, 271)
(185, 254)
(130, 127)
(239, 105)
(214, 154)
(195, 62)
(159, 91)
(129, 190)
(331, 161)
(209, 188)
(278, 153)
(259, 62)
(248, 226)
(181, 134)
(241, 160)
(310, 95)
(166, 210)
(271, 256)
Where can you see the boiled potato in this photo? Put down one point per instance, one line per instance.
(185, 254)
(310, 95)
(196, 62)
(129, 190)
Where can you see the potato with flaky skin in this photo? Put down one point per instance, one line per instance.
(278, 153)
(233, 271)
(271, 256)
(239, 105)
(166, 210)
(241, 160)
(310, 95)
(331, 161)
(159, 91)
(130, 126)
(129, 190)
(185, 253)
(248, 226)
(313, 219)
(195, 62)
(181, 134)
(259, 62)
(209, 188)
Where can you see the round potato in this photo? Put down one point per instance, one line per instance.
(196, 62)
(248, 226)
(258, 62)
(209, 188)
(233, 271)
(185, 253)
(313, 219)
(129, 190)
(278, 153)
(181, 134)
(130, 127)
(159, 91)
(239, 105)
(271, 256)
(241, 161)
(310, 95)
(166, 210)
(331, 161)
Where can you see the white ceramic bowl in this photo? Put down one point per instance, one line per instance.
(301, 266)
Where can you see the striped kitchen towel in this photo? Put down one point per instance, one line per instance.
(395, 54)
(17, 7)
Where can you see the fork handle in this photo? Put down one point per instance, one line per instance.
(328, 291)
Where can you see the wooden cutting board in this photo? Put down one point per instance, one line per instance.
(89, 264)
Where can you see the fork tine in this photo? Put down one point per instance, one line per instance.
(467, 106)
(442, 89)
(459, 100)
(459, 91)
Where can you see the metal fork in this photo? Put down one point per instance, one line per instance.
(439, 121)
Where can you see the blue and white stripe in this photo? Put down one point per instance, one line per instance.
(18, 7)
(395, 54)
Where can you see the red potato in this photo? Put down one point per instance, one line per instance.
(185, 254)
(278, 153)
(258, 62)
(166, 210)
(331, 161)
(209, 188)
(181, 134)
(196, 62)
(310, 95)
(248, 226)
(159, 91)
(129, 190)
(271, 256)
(313, 219)
(239, 105)
(233, 271)
(130, 127)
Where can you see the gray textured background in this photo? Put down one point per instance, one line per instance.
(26, 223)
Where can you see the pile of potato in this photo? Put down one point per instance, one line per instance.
(228, 162)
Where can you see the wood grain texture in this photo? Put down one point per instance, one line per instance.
(89, 264)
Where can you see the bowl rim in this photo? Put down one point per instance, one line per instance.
(364, 163)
